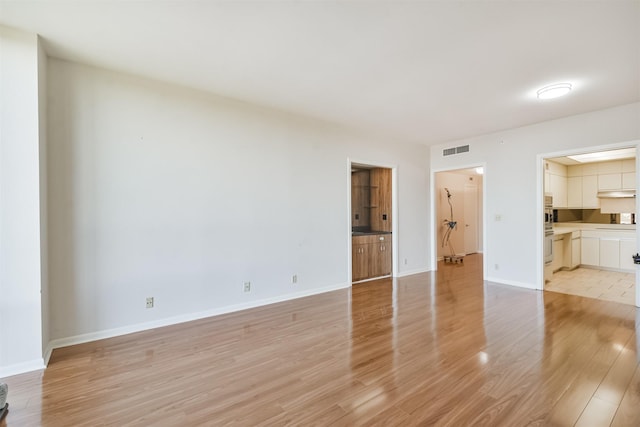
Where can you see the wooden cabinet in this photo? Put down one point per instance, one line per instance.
(380, 179)
(360, 198)
(380, 259)
(360, 261)
(371, 256)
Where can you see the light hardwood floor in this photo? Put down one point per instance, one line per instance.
(431, 349)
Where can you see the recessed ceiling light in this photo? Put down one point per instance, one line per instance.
(554, 91)
(601, 156)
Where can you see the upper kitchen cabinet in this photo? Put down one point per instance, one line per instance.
(576, 185)
(371, 199)
(557, 176)
(617, 175)
(360, 198)
(582, 187)
(380, 179)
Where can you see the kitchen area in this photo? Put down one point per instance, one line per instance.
(371, 223)
(590, 226)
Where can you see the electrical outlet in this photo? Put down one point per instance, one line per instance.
(497, 267)
(247, 286)
(294, 279)
(149, 302)
(405, 261)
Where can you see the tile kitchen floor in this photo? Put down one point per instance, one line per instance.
(601, 284)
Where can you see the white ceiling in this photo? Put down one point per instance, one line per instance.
(420, 71)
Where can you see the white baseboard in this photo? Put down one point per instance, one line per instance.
(21, 368)
(412, 272)
(110, 333)
(511, 283)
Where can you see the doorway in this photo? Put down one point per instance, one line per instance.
(594, 227)
(458, 215)
(372, 213)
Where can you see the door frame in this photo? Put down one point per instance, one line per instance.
(433, 213)
(394, 213)
(477, 222)
(540, 159)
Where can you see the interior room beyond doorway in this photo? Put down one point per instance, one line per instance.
(458, 214)
(371, 222)
(590, 224)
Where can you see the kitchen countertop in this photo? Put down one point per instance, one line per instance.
(570, 227)
(368, 233)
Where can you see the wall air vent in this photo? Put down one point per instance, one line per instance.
(455, 150)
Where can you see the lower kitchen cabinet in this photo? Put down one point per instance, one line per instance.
(576, 251)
(627, 249)
(558, 253)
(610, 253)
(360, 261)
(371, 256)
(566, 251)
(590, 248)
(608, 250)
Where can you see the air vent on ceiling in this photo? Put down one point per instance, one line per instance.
(455, 150)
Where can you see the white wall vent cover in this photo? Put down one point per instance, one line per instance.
(455, 150)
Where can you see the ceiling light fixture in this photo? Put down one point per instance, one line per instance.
(554, 91)
(480, 170)
(601, 156)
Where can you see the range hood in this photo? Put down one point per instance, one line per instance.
(617, 194)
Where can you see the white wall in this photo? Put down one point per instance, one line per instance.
(20, 274)
(513, 181)
(44, 232)
(156, 190)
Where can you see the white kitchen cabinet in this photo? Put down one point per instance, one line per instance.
(627, 249)
(590, 192)
(590, 169)
(558, 253)
(574, 170)
(574, 192)
(547, 182)
(590, 251)
(610, 181)
(609, 167)
(610, 253)
(559, 190)
(575, 250)
(628, 165)
(629, 181)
